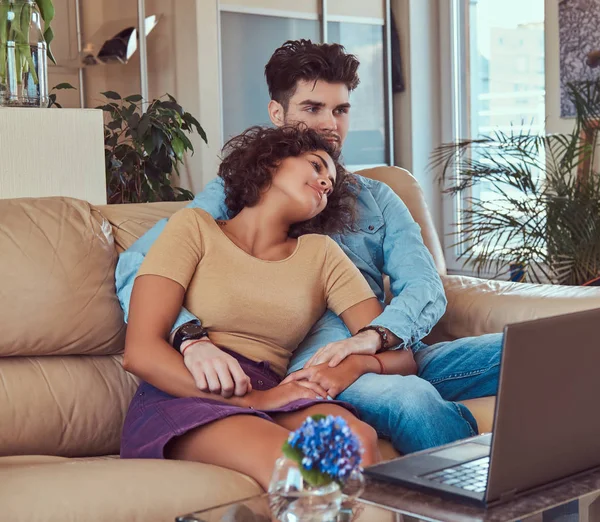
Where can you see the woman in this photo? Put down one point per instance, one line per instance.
(258, 282)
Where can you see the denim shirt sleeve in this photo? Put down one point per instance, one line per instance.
(418, 300)
(211, 199)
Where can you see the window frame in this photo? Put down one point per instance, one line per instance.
(455, 113)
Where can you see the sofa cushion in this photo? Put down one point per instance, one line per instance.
(115, 490)
(70, 406)
(21, 461)
(130, 222)
(57, 291)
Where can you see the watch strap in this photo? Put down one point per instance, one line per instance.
(188, 331)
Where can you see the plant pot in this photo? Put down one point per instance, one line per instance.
(23, 55)
(293, 499)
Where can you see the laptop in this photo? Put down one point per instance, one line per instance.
(546, 423)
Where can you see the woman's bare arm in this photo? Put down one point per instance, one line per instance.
(361, 314)
(155, 303)
(397, 362)
(367, 342)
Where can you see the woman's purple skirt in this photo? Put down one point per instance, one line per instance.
(155, 418)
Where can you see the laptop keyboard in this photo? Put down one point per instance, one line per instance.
(471, 476)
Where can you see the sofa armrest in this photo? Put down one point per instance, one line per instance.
(481, 306)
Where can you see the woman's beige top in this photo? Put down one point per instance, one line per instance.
(259, 309)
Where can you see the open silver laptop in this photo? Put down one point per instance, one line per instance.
(546, 425)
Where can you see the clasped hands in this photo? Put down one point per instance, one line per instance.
(327, 373)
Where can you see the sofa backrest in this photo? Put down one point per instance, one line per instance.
(62, 391)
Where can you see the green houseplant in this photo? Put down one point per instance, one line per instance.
(24, 47)
(145, 148)
(543, 215)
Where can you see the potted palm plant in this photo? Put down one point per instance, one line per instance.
(541, 212)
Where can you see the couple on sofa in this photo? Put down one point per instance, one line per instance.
(251, 257)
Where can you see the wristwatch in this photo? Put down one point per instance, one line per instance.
(385, 340)
(187, 332)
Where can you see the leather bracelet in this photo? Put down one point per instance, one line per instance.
(192, 343)
(382, 334)
(381, 371)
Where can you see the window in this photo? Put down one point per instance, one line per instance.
(249, 34)
(501, 67)
(365, 144)
(502, 59)
(248, 41)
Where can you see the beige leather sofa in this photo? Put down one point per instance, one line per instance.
(63, 393)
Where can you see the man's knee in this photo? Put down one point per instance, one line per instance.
(390, 392)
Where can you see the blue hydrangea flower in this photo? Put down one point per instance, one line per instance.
(327, 445)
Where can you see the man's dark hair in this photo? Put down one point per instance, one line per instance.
(298, 60)
(250, 159)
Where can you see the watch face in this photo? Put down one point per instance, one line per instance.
(191, 330)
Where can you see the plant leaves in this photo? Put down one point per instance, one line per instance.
(111, 95)
(142, 151)
(47, 11)
(111, 141)
(292, 453)
(177, 145)
(148, 144)
(191, 121)
(158, 138)
(144, 125)
(134, 120)
(314, 477)
(173, 106)
(48, 37)
(115, 124)
(63, 86)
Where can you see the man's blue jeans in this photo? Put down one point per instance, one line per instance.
(420, 411)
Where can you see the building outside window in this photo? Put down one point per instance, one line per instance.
(500, 58)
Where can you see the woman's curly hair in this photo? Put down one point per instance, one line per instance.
(251, 159)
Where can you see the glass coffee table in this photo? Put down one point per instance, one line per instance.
(575, 500)
(256, 509)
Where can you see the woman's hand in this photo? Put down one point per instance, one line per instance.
(333, 380)
(367, 342)
(214, 370)
(284, 394)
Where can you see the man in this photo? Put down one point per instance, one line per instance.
(311, 84)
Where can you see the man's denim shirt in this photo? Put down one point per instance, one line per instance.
(387, 241)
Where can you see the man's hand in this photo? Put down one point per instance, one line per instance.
(367, 342)
(214, 370)
(333, 380)
(283, 394)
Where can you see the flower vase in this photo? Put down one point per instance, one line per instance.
(293, 499)
(23, 55)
